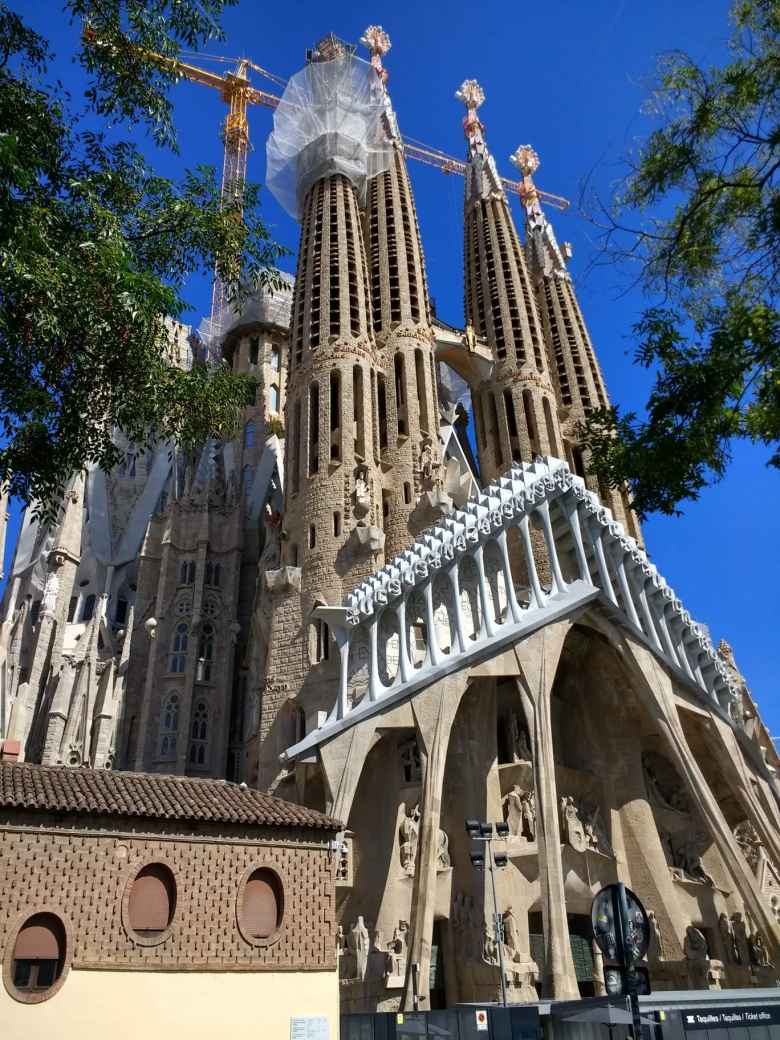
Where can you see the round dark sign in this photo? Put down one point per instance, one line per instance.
(635, 926)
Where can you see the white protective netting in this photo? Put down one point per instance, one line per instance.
(329, 120)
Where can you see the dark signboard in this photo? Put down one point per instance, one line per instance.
(729, 1017)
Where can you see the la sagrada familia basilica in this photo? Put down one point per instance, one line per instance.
(348, 606)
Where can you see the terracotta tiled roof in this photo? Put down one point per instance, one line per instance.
(150, 795)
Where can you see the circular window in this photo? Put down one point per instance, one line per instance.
(150, 904)
(36, 967)
(261, 906)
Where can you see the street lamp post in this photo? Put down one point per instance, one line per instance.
(483, 832)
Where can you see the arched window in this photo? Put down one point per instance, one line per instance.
(249, 434)
(152, 901)
(179, 648)
(39, 954)
(186, 572)
(212, 574)
(199, 731)
(169, 726)
(205, 652)
(254, 349)
(263, 905)
(275, 357)
(273, 398)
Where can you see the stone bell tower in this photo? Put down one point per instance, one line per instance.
(515, 410)
(581, 385)
(408, 414)
(329, 141)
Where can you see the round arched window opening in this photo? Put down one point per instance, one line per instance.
(35, 970)
(261, 908)
(151, 904)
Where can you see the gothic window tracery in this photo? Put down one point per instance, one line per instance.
(199, 734)
(205, 652)
(187, 572)
(212, 574)
(169, 726)
(179, 648)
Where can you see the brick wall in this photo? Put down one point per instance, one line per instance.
(84, 877)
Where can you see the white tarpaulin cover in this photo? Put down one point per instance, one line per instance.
(329, 121)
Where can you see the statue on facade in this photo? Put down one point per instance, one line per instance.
(686, 858)
(470, 338)
(511, 934)
(655, 950)
(358, 942)
(727, 938)
(749, 842)
(362, 506)
(664, 785)
(758, 951)
(443, 851)
(697, 956)
(573, 832)
(407, 836)
(521, 751)
(513, 809)
(397, 950)
(599, 986)
(489, 946)
(741, 944)
(271, 556)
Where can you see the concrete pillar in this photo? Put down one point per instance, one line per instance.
(538, 657)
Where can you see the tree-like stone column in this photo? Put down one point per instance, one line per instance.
(538, 657)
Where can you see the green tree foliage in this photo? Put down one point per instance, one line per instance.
(96, 250)
(705, 188)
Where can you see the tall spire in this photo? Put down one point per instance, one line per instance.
(408, 419)
(581, 386)
(515, 410)
(545, 256)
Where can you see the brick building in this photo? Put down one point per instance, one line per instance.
(185, 908)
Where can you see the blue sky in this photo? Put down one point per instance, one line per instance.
(570, 78)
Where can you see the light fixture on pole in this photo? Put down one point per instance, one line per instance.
(479, 830)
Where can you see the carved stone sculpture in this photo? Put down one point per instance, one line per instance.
(741, 944)
(697, 956)
(271, 556)
(758, 951)
(443, 852)
(656, 950)
(407, 836)
(397, 951)
(599, 986)
(686, 855)
(511, 934)
(573, 832)
(362, 505)
(520, 812)
(749, 842)
(727, 938)
(513, 809)
(664, 785)
(521, 751)
(359, 942)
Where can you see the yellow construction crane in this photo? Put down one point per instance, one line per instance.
(238, 94)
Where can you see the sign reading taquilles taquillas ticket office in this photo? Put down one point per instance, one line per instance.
(729, 1017)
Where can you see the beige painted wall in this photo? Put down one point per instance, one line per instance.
(142, 1005)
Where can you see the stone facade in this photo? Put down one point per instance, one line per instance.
(358, 620)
